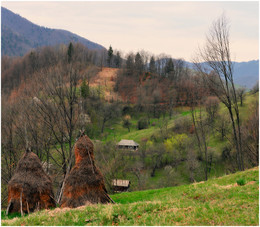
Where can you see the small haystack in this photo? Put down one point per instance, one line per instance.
(30, 188)
(85, 183)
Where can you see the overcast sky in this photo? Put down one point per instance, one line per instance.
(174, 28)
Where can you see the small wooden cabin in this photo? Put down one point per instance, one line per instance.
(128, 144)
(120, 185)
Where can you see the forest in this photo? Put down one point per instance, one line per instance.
(191, 124)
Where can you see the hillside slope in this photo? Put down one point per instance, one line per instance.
(106, 80)
(20, 35)
(215, 202)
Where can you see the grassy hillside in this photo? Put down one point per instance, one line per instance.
(215, 202)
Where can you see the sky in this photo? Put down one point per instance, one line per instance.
(175, 28)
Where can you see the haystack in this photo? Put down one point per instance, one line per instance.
(85, 183)
(30, 187)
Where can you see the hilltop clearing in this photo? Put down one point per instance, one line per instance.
(105, 79)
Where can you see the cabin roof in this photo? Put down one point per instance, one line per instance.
(121, 183)
(127, 143)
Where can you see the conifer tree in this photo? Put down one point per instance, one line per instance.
(152, 67)
(84, 89)
(109, 55)
(70, 52)
(117, 59)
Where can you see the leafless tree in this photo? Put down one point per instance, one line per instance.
(108, 112)
(222, 125)
(217, 57)
(201, 132)
(255, 88)
(241, 94)
(250, 132)
(212, 106)
(192, 164)
(171, 99)
(57, 105)
(156, 98)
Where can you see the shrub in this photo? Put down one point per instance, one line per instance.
(183, 125)
(127, 123)
(241, 181)
(127, 110)
(226, 152)
(142, 123)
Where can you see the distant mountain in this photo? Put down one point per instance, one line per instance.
(246, 74)
(20, 35)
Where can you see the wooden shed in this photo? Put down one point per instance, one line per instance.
(128, 144)
(120, 185)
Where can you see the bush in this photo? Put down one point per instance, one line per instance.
(183, 125)
(241, 181)
(127, 123)
(226, 153)
(142, 123)
(127, 110)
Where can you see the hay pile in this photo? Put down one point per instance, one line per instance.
(30, 188)
(85, 183)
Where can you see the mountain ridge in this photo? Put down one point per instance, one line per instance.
(246, 74)
(19, 35)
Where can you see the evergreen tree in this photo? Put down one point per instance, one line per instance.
(70, 52)
(139, 64)
(117, 60)
(130, 64)
(169, 66)
(109, 55)
(84, 89)
(152, 67)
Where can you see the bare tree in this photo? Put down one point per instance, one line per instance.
(241, 94)
(222, 125)
(108, 112)
(217, 57)
(250, 132)
(255, 88)
(9, 151)
(57, 105)
(191, 164)
(212, 106)
(201, 132)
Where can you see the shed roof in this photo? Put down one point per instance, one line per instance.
(127, 143)
(121, 183)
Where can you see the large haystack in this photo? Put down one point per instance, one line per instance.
(30, 188)
(85, 183)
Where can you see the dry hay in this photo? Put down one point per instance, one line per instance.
(85, 183)
(30, 187)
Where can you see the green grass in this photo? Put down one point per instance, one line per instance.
(10, 216)
(241, 181)
(249, 99)
(119, 132)
(215, 202)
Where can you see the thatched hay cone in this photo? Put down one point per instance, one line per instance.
(85, 183)
(30, 187)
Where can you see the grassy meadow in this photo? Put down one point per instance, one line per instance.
(220, 201)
